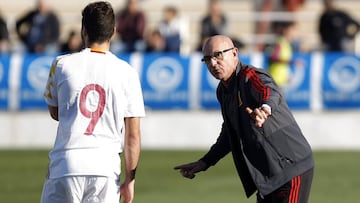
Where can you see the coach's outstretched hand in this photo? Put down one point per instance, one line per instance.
(189, 170)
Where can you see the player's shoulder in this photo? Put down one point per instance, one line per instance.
(121, 64)
(117, 59)
(57, 62)
(66, 57)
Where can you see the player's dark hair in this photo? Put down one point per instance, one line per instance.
(98, 20)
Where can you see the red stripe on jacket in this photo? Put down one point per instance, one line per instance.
(258, 85)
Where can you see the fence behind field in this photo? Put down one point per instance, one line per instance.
(319, 81)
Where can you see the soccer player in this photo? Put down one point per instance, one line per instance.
(97, 99)
(270, 153)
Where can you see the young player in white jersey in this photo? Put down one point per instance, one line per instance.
(97, 99)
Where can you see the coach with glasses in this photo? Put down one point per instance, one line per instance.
(270, 153)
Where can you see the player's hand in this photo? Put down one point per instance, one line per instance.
(127, 191)
(189, 170)
(259, 115)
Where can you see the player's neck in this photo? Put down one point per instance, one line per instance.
(100, 46)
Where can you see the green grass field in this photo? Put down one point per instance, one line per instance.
(336, 180)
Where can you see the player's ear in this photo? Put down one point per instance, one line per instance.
(84, 35)
(83, 32)
(114, 33)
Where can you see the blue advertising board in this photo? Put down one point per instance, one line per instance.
(35, 71)
(173, 81)
(297, 91)
(4, 81)
(341, 81)
(208, 87)
(165, 81)
(125, 57)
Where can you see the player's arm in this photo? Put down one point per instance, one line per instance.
(50, 93)
(132, 146)
(131, 157)
(53, 110)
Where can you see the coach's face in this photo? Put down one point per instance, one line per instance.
(220, 57)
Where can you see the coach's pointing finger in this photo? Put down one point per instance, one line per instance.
(189, 170)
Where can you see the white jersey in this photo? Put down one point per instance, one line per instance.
(94, 91)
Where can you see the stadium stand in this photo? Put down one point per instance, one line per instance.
(240, 13)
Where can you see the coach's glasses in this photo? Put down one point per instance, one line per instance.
(218, 55)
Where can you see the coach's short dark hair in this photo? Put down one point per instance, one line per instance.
(98, 20)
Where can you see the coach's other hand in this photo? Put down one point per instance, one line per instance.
(259, 115)
(189, 170)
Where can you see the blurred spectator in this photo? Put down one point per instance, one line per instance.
(213, 23)
(280, 54)
(155, 42)
(336, 28)
(263, 26)
(292, 5)
(130, 27)
(39, 29)
(4, 36)
(173, 29)
(73, 43)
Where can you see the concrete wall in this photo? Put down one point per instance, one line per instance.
(185, 129)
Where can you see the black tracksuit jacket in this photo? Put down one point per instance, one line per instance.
(267, 157)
